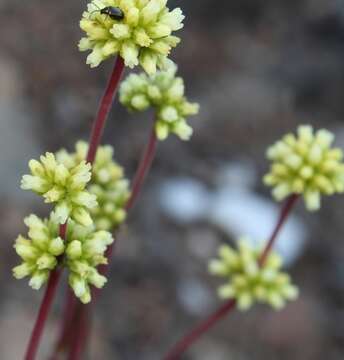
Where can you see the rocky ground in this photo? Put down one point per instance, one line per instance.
(258, 68)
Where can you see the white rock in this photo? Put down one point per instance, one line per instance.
(184, 199)
(234, 207)
(243, 213)
(194, 296)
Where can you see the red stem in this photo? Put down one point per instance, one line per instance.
(186, 342)
(199, 330)
(284, 213)
(143, 168)
(66, 324)
(81, 334)
(44, 309)
(104, 109)
(95, 138)
(140, 175)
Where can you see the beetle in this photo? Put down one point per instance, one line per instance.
(115, 13)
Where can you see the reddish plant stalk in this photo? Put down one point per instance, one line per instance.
(66, 330)
(95, 138)
(202, 328)
(44, 309)
(186, 342)
(81, 334)
(104, 109)
(139, 177)
(285, 211)
(142, 170)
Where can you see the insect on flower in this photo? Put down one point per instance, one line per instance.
(115, 13)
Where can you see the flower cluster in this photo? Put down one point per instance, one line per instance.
(140, 31)
(165, 92)
(84, 252)
(39, 253)
(306, 164)
(65, 187)
(107, 184)
(247, 281)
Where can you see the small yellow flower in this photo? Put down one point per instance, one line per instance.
(39, 252)
(108, 184)
(142, 34)
(306, 164)
(247, 282)
(81, 252)
(84, 252)
(63, 186)
(164, 92)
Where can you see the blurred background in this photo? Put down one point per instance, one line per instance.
(259, 68)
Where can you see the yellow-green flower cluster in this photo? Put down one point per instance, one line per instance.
(165, 92)
(81, 252)
(247, 282)
(63, 186)
(142, 36)
(84, 252)
(39, 252)
(107, 184)
(306, 164)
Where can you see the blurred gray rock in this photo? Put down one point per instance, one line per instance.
(233, 207)
(18, 140)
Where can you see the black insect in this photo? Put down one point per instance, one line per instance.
(115, 13)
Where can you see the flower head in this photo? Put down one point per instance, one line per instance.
(165, 92)
(247, 282)
(63, 186)
(39, 252)
(141, 35)
(107, 184)
(84, 252)
(306, 164)
(81, 252)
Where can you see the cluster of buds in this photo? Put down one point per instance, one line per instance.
(247, 281)
(81, 253)
(306, 164)
(108, 184)
(64, 186)
(92, 201)
(85, 250)
(163, 91)
(66, 180)
(140, 31)
(40, 252)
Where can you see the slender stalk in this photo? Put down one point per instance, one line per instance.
(104, 109)
(143, 168)
(44, 309)
(95, 138)
(185, 343)
(202, 328)
(81, 334)
(66, 329)
(285, 211)
(140, 175)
